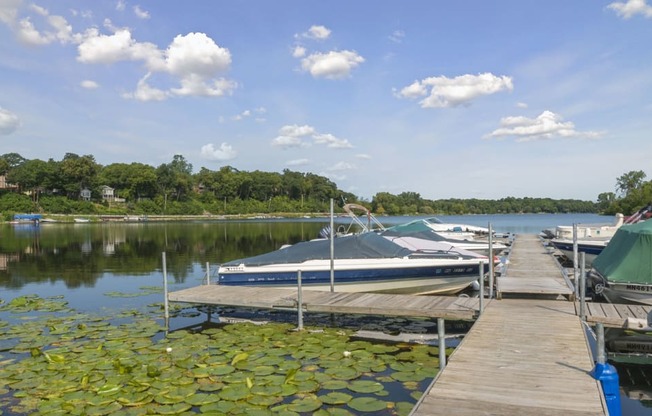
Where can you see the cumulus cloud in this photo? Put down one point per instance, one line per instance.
(194, 59)
(546, 125)
(292, 136)
(121, 5)
(9, 11)
(298, 52)
(299, 136)
(140, 13)
(331, 141)
(225, 152)
(9, 121)
(318, 32)
(631, 8)
(88, 84)
(331, 65)
(145, 92)
(443, 92)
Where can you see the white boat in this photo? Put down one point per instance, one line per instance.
(421, 229)
(591, 247)
(588, 230)
(440, 226)
(81, 220)
(365, 262)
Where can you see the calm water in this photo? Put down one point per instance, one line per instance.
(89, 262)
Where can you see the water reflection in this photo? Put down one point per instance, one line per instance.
(80, 254)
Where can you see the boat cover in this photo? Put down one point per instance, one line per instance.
(357, 246)
(628, 256)
(417, 229)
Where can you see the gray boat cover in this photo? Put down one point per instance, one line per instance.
(357, 246)
(628, 256)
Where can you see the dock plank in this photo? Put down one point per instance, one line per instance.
(520, 356)
(447, 307)
(532, 270)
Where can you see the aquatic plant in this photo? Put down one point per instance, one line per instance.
(96, 367)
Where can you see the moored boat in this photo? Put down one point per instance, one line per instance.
(364, 262)
(622, 273)
(591, 247)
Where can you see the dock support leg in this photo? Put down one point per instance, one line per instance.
(166, 306)
(299, 303)
(441, 335)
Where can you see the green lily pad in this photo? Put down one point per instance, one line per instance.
(305, 405)
(365, 386)
(335, 398)
(367, 404)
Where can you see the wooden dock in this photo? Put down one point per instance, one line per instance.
(526, 354)
(447, 307)
(531, 270)
(521, 357)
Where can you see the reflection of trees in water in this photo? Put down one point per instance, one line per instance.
(80, 254)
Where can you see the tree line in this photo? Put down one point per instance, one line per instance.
(173, 189)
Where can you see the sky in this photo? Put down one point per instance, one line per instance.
(448, 99)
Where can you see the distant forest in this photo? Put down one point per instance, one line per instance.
(79, 185)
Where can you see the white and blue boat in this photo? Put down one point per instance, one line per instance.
(364, 262)
(591, 247)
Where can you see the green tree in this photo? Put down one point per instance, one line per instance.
(78, 172)
(629, 181)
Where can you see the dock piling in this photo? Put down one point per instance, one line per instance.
(166, 306)
(441, 335)
(299, 302)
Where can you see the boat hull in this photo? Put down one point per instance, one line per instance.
(406, 279)
(590, 249)
(627, 293)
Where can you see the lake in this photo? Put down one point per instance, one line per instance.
(109, 268)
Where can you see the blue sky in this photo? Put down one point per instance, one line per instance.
(455, 99)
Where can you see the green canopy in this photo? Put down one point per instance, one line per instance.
(628, 256)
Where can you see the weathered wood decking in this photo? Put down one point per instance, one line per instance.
(521, 357)
(447, 307)
(531, 270)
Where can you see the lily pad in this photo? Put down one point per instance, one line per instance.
(305, 405)
(336, 398)
(367, 404)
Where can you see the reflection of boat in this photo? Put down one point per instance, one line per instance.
(421, 229)
(622, 273)
(591, 247)
(363, 262)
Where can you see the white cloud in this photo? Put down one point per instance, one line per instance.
(451, 92)
(298, 52)
(331, 65)
(145, 92)
(88, 84)
(297, 162)
(521, 105)
(631, 8)
(318, 32)
(546, 125)
(225, 152)
(292, 136)
(363, 156)
(9, 11)
(9, 121)
(27, 34)
(120, 6)
(241, 116)
(140, 13)
(331, 141)
(195, 59)
(120, 46)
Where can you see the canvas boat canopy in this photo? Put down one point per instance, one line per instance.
(357, 246)
(628, 256)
